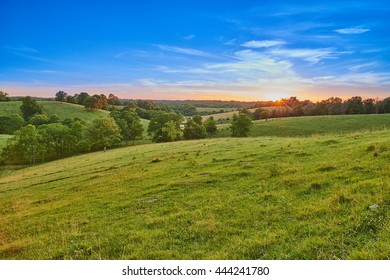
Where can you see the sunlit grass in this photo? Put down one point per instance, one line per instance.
(254, 198)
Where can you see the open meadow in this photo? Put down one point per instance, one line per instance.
(313, 197)
(63, 110)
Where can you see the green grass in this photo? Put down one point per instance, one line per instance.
(253, 198)
(64, 110)
(307, 126)
(207, 110)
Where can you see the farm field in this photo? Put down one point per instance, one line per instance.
(253, 198)
(308, 126)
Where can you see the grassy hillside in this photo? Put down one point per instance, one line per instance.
(307, 126)
(254, 198)
(64, 110)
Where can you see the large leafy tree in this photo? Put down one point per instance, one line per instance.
(23, 146)
(194, 128)
(129, 123)
(82, 97)
(4, 97)
(55, 136)
(61, 96)
(165, 127)
(91, 103)
(241, 125)
(30, 107)
(103, 133)
(210, 125)
(11, 123)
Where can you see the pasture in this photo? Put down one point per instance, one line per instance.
(314, 125)
(254, 198)
(63, 110)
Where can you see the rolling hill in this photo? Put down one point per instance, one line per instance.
(320, 197)
(308, 126)
(63, 110)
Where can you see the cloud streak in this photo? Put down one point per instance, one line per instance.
(185, 51)
(352, 30)
(262, 44)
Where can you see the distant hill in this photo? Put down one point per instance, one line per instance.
(63, 110)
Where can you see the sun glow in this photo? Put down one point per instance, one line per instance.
(275, 96)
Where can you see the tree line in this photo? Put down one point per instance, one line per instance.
(292, 107)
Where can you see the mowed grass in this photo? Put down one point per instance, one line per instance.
(63, 110)
(253, 198)
(308, 126)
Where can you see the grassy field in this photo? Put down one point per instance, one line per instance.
(253, 198)
(307, 126)
(64, 110)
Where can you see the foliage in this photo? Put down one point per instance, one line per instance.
(194, 128)
(24, 146)
(102, 133)
(61, 96)
(241, 125)
(4, 97)
(165, 127)
(10, 124)
(129, 124)
(30, 107)
(91, 103)
(38, 119)
(113, 99)
(211, 125)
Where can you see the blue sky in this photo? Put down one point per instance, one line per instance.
(242, 50)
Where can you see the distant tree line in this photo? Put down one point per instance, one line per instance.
(292, 107)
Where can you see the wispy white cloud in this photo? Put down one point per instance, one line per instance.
(263, 43)
(22, 49)
(39, 71)
(184, 51)
(189, 37)
(310, 55)
(352, 30)
(230, 42)
(360, 66)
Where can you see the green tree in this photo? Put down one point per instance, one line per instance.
(4, 97)
(91, 103)
(171, 132)
(38, 119)
(194, 129)
(129, 124)
(103, 133)
(61, 96)
(30, 107)
(54, 119)
(264, 115)
(82, 97)
(211, 125)
(10, 124)
(23, 146)
(55, 136)
(241, 125)
(113, 99)
(354, 105)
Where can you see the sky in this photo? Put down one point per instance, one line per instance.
(195, 49)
